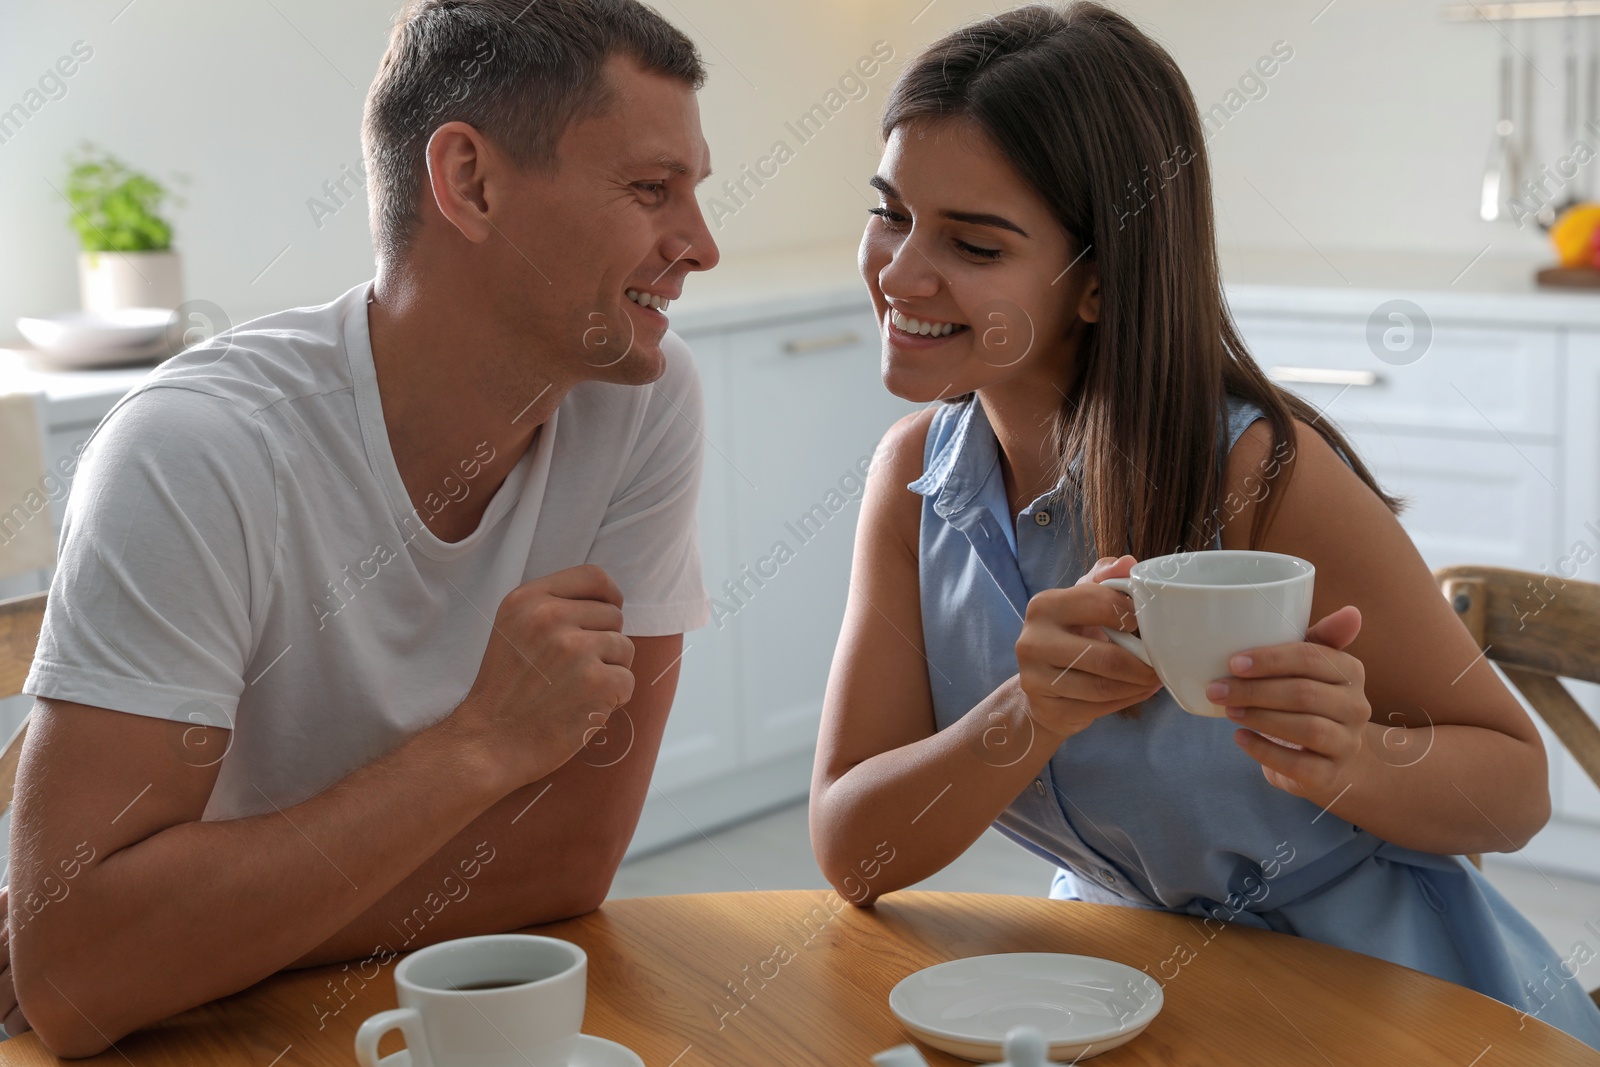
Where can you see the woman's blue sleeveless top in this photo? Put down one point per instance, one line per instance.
(1165, 810)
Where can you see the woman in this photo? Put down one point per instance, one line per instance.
(1043, 263)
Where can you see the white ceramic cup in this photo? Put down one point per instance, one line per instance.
(1197, 610)
(502, 1000)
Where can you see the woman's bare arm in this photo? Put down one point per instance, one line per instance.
(893, 800)
(1451, 762)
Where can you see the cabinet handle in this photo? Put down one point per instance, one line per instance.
(802, 345)
(1324, 376)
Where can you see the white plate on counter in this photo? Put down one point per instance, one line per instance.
(82, 339)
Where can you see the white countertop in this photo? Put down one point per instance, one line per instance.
(1486, 288)
(750, 287)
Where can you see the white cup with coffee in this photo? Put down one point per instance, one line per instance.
(1197, 610)
(501, 1000)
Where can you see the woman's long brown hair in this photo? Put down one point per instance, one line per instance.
(1097, 118)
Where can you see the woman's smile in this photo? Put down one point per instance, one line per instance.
(906, 331)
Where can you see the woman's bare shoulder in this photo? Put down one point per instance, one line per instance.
(896, 463)
(900, 450)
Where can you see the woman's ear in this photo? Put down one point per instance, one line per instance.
(1089, 302)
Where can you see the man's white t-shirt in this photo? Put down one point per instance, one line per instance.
(239, 550)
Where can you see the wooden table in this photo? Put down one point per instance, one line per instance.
(813, 975)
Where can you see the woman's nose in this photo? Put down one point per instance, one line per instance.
(909, 273)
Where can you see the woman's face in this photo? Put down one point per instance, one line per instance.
(962, 243)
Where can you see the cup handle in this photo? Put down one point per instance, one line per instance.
(1117, 637)
(407, 1021)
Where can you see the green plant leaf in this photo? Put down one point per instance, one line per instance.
(115, 208)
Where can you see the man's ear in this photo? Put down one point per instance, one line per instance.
(1089, 302)
(458, 161)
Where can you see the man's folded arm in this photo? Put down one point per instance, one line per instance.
(164, 911)
(547, 851)
(125, 906)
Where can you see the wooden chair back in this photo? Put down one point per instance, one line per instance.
(1538, 628)
(20, 620)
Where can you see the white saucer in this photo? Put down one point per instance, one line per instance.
(591, 1051)
(1081, 1004)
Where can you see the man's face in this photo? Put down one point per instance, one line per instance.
(617, 215)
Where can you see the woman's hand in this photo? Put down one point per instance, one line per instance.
(1306, 692)
(9, 1012)
(1071, 674)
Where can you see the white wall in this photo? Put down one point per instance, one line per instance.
(1374, 136)
(229, 94)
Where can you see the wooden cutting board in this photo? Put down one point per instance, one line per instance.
(1570, 277)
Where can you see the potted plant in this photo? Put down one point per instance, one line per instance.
(127, 258)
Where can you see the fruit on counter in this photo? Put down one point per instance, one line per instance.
(1576, 236)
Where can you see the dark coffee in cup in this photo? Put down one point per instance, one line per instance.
(499, 1000)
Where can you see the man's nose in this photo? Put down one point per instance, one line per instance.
(702, 252)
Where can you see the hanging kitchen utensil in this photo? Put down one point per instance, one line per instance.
(1591, 119)
(1531, 186)
(1500, 176)
(1568, 194)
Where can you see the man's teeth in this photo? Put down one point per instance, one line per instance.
(925, 329)
(649, 300)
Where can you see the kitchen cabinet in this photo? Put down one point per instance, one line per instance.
(702, 739)
(1472, 382)
(809, 409)
(1469, 434)
(1578, 553)
(1468, 499)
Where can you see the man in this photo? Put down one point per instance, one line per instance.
(347, 597)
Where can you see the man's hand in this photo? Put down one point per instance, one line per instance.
(556, 667)
(9, 1012)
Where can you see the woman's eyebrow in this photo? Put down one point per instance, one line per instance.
(997, 221)
(972, 218)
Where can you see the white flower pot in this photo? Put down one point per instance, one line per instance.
(111, 281)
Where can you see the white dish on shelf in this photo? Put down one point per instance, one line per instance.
(1082, 1005)
(82, 332)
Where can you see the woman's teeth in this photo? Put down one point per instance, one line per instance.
(649, 300)
(924, 329)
